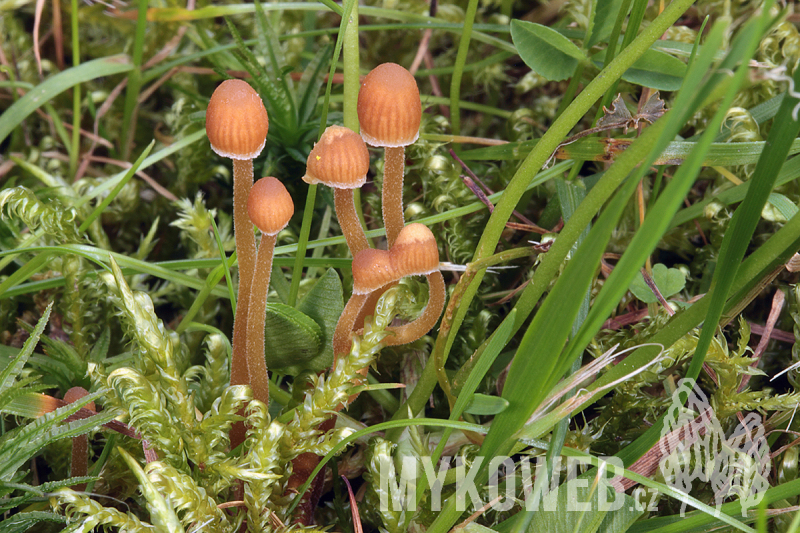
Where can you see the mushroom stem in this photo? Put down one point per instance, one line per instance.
(348, 219)
(256, 364)
(342, 336)
(369, 307)
(392, 194)
(302, 466)
(79, 465)
(425, 322)
(246, 255)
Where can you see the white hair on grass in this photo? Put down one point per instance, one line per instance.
(787, 369)
(779, 74)
(582, 395)
(453, 267)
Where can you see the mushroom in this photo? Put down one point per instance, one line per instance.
(79, 466)
(236, 125)
(414, 254)
(389, 112)
(340, 160)
(372, 269)
(270, 208)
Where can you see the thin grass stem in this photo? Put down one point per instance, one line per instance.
(458, 67)
(134, 83)
(76, 92)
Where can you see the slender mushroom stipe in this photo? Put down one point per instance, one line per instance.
(270, 208)
(424, 323)
(79, 465)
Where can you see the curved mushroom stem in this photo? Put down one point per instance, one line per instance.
(392, 194)
(342, 336)
(256, 364)
(345, 206)
(246, 256)
(425, 322)
(369, 306)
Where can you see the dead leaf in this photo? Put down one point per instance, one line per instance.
(615, 117)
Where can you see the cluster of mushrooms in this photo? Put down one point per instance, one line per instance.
(389, 112)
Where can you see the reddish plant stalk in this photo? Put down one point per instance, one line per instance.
(256, 364)
(392, 194)
(344, 204)
(246, 256)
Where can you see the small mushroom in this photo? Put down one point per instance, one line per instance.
(372, 269)
(237, 125)
(390, 112)
(270, 208)
(79, 466)
(340, 160)
(414, 254)
(415, 251)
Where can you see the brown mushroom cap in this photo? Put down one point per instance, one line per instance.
(76, 393)
(236, 121)
(340, 159)
(389, 106)
(372, 269)
(415, 253)
(269, 205)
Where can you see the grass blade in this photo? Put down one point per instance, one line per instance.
(47, 90)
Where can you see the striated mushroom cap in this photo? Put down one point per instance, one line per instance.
(236, 121)
(269, 205)
(415, 253)
(372, 269)
(389, 107)
(340, 159)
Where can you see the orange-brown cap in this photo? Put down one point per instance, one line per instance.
(269, 205)
(236, 121)
(415, 252)
(340, 159)
(76, 393)
(372, 269)
(389, 107)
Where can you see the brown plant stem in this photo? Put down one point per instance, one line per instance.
(392, 194)
(343, 336)
(79, 465)
(256, 364)
(369, 306)
(246, 255)
(344, 203)
(302, 466)
(342, 341)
